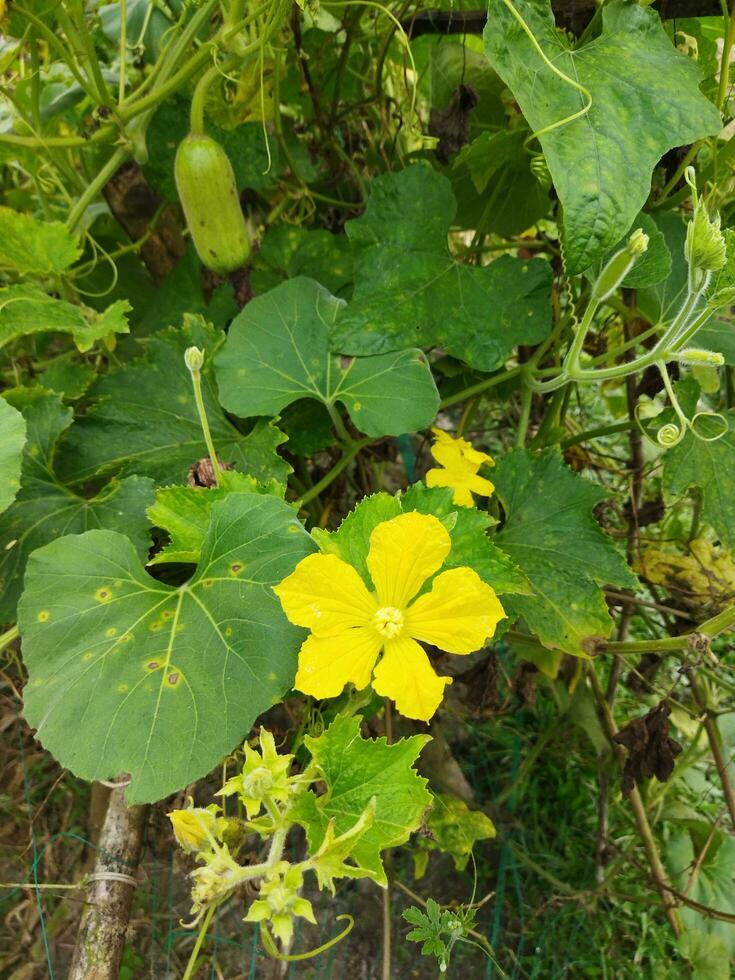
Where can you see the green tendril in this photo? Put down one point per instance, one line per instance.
(272, 950)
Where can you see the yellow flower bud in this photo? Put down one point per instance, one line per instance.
(693, 355)
(194, 358)
(619, 266)
(193, 828)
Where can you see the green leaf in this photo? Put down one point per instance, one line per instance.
(356, 770)
(29, 246)
(288, 251)
(707, 955)
(410, 291)
(661, 301)
(165, 681)
(717, 335)
(12, 441)
(601, 162)
(185, 512)
(703, 460)
(329, 862)
(351, 540)
(467, 528)
(277, 351)
(471, 544)
(27, 310)
(724, 278)
(654, 266)
(456, 828)
(144, 418)
(712, 884)
(68, 378)
(495, 187)
(45, 508)
(550, 533)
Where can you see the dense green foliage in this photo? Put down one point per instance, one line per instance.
(258, 265)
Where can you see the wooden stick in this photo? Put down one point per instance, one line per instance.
(104, 923)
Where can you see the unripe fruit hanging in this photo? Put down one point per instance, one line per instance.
(206, 185)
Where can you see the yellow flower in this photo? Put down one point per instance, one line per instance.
(351, 626)
(460, 463)
(193, 827)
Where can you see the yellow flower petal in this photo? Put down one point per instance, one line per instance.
(478, 484)
(462, 494)
(406, 676)
(446, 450)
(326, 595)
(327, 663)
(449, 455)
(404, 552)
(476, 457)
(459, 613)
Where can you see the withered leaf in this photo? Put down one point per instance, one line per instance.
(651, 750)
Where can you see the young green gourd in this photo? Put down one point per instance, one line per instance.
(206, 185)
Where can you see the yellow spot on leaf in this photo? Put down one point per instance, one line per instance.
(42, 616)
(103, 594)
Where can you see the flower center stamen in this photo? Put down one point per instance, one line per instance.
(388, 621)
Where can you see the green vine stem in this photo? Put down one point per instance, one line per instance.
(105, 174)
(342, 463)
(196, 113)
(8, 637)
(94, 68)
(194, 359)
(191, 965)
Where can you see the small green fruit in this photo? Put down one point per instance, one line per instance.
(208, 194)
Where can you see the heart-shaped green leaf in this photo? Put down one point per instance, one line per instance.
(471, 545)
(162, 681)
(277, 352)
(602, 161)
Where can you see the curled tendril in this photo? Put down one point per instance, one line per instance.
(670, 435)
(709, 415)
(540, 170)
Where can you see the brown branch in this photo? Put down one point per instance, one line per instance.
(713, 736)
(572, 15)
(658, 871)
